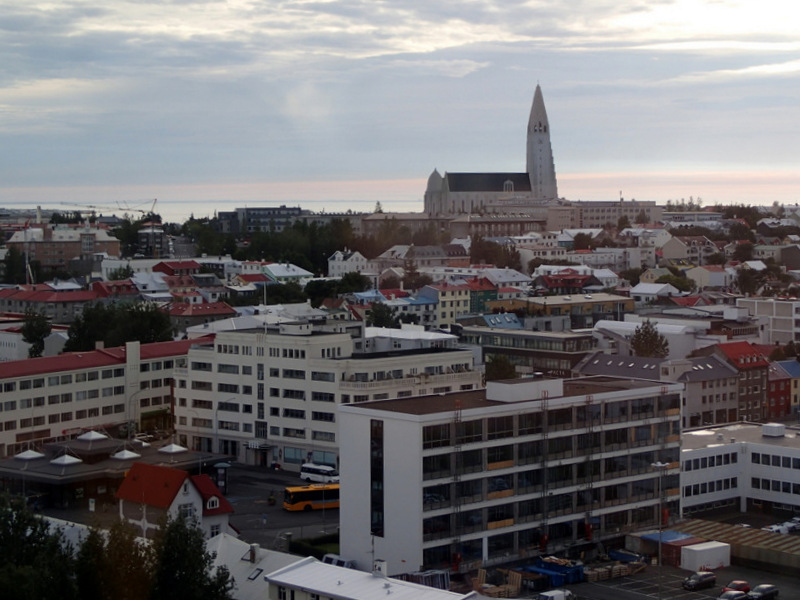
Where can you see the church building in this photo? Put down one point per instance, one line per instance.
(481, 193)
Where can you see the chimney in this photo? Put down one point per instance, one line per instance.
(254, 552)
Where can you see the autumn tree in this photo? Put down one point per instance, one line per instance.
(646, 341)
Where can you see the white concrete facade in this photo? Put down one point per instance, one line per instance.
(271, 394)
(480, 478)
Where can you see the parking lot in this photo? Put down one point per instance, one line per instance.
(646, 585)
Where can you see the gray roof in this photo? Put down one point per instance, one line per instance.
(705, 368)
(487, 182)
(619, 366)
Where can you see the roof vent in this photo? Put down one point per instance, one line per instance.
(773, 430)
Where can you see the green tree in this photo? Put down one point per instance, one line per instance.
(35, 328)
(123, 272)
(499, 367)
(391, 282)
(647, 342)
(743, 252)
(641, 218)
(35, 562)
(623, 223)
(183, 568)
(681, 283)
(718, 258)
(14, 266)
(412, 278)
(632, 275)
(381, 315)
(581, 241)
(353, 282)
(117, 324)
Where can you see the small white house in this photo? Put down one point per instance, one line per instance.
(150, 492)
(652, 292)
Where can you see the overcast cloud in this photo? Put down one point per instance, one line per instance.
(335, 101)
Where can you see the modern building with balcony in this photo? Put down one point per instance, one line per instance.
(525, 467)
(270, 394)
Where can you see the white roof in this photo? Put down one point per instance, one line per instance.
(653, 288)
(406, 333)
(338, 582)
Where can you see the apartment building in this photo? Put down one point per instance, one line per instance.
(54, 247)
(270, 394)
(534, 466)
(453, 301)
(50, 399)
(584, 310)
(746, 466)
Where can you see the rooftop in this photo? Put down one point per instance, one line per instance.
(753, 433)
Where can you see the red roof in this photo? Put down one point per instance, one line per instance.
(397, 293)
(253, 277)
(686, 300)
(481, 285)
(50, 296)
(151, 485)
(743, 354)
(182, 309)
(172, 267)
(208, 490)
(107, 357)
(114, 288)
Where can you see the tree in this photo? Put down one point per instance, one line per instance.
(117, 324)
(123, 272)
(581, 241)
(718, 258)
(623, 223)
(641, 218)
(632, 276)
(15, 266)
(381, 315)
(647, 342)
(183, 568)
(743, 252)
(681, 283)
(499, 367)
(35, 328)
(35, 562)
(353, 282)
(391, 282)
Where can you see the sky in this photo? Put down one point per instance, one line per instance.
(209, 105)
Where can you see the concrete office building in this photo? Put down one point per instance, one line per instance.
(270, 394)
(745, 466)
(474, 479)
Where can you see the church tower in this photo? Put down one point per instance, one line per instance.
(540, 166)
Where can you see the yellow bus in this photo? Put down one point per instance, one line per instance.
(311, 497)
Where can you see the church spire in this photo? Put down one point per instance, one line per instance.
(540, 166)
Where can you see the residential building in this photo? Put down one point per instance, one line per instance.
(584, 310)
(47, 400)
(745, 466)
(452, 301)
(346, 261)
(183, 315)
(54, 247)
(246, 221)
(58, 306)
(535, 466)
(792, 367)
(691, 249)
(600, 213)
(779, 394)
(753, 369)
(151, 493)
(711, 276)
(649, 293)
(270, 393)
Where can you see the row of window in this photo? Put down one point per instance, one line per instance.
(774, 485)
(710, 461)
(709, 487)
(64, 417)
(775, 460)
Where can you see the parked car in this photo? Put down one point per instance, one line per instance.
(700, 580)
(777, 528)
(765, 591)
(732, 595)
(737, 585)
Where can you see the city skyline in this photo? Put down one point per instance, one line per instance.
(339, 105)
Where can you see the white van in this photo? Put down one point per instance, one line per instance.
(319, 473)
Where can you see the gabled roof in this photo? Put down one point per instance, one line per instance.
(487, 182)
(743, 354)
(208, 490)
(791, 366)
(152, 485)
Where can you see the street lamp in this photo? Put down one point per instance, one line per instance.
(659, 466)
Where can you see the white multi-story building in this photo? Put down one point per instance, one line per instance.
(54, 398)
(270, 394)
(746, 466)
(782, 317)
(530, 466)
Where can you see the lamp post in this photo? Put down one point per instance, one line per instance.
(659, 466)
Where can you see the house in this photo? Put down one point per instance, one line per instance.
(710, 276)
(694, 249)
(183, 315)
(346, 261)
(654, 274)
(177, 267)
(653, 292)
(150, 493)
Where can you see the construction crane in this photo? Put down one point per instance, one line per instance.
(127, 208)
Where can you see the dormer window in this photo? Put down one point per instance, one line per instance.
(212, 503)
(508, 185)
